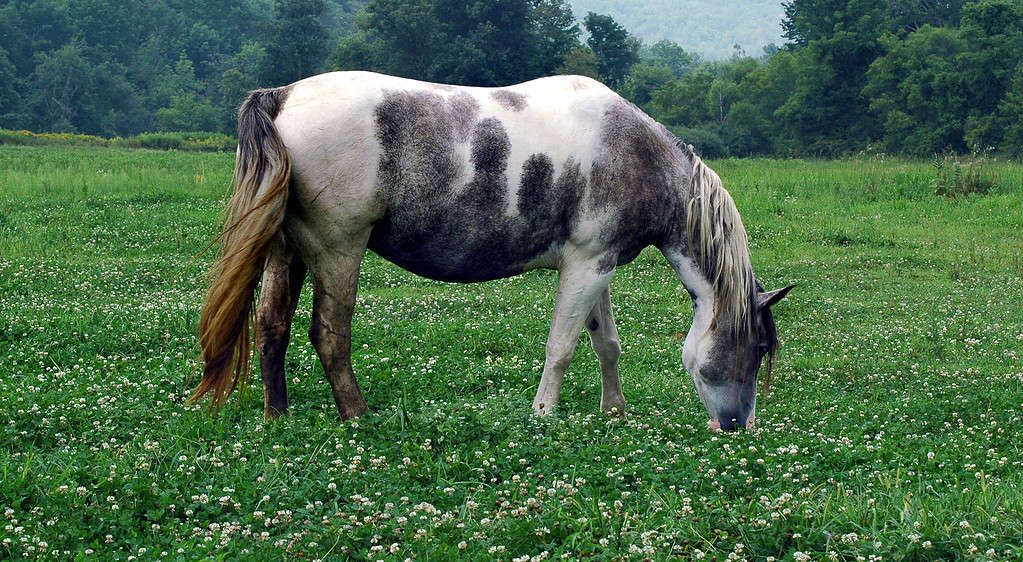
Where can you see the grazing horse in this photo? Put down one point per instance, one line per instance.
(472, 184)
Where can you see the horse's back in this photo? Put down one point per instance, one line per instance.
(456, 183)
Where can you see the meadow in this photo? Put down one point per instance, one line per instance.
(891, 429)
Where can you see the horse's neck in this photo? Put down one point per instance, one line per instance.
(690, 274)
(709, 250)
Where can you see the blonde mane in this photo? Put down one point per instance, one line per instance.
(720, 247)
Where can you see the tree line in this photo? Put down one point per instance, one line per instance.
(915, 77)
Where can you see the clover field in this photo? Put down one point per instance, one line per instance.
(892, 428)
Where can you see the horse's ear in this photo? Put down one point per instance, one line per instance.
(770, 298)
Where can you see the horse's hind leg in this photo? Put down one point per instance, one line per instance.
(600, 324)
(335, 282)
(579, 285)
(283, 275)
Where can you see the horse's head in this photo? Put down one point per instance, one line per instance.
(724, 359)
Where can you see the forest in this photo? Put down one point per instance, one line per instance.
(914, 77)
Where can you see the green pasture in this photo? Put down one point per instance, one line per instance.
(892, 429)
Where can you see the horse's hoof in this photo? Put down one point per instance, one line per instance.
(271, 413)
(352, 411)
(614, 408)
(615, 413)
(542, 410)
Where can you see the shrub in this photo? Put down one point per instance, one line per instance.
(197, 141)
(206, 142)
(43, 139)
(708, 143)
(959, 176)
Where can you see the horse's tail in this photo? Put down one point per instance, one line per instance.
(251, 220)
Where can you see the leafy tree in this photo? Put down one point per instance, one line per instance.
(12, 114)
(684, 102)
(670, 54)
(363, 50)
(175, 80)
(1011, 112)
(481, 43)
(296, 41)
(993, 30)
(916, 88)
(556, 33)
(840, 39)
(912, 15)
(61, 82)
(71, 94)
(643, 80)
(580, 61)
(765, 90)
(494, 38)
(28, 28)
(242, 74)
(615, 50)
(188, 112)
(726, 87)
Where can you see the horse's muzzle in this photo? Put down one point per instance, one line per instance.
(731, 421)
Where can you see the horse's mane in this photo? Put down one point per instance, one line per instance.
(719, 243)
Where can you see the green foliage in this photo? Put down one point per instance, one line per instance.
(993, 29)
(616, 51)
(1011, 112)
(917, 89)
(643, 80)
(296, 43)
(840, 39)
(670, 54)
(189, 141)
(960, 176)
(890, 431)
(483, 43)
(580, 61)
(901, 76)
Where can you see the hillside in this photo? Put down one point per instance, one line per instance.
(707, 27)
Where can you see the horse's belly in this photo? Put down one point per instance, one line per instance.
(462, 252)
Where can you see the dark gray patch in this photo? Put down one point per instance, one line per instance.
(465, 110)
(636, 176)
(550, 207)
(437, 228)
(537, 179)
(594, 325)
(490, 148)
(512, 101)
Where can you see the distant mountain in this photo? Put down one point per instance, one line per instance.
(707, 27)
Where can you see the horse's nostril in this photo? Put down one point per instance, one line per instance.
(729, 424)
(731, 420)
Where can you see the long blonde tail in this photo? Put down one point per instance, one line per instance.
(251, 220)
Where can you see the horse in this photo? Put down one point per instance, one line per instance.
(466, 184)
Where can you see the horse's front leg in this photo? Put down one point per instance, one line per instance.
(283, 275)
(600, 324)
(335, 282)
(579, 285)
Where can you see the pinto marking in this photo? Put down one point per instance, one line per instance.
(470, 184)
